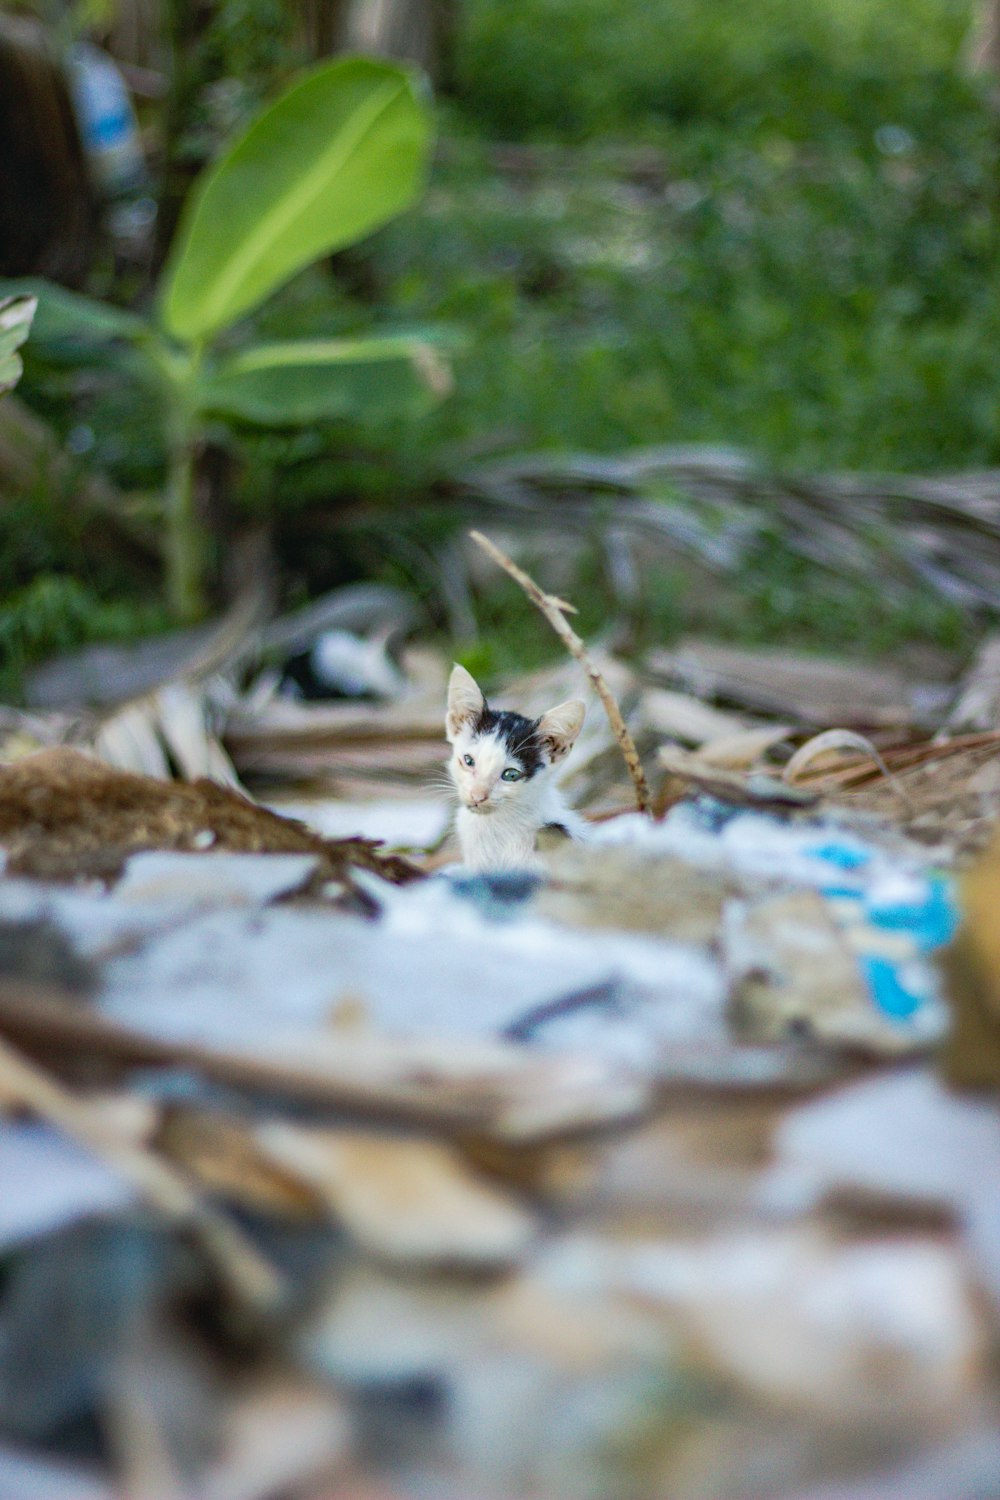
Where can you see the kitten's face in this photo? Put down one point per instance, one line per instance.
(494, 759)
(498, 756)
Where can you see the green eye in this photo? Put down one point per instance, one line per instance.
(468, 760)
(511, 774)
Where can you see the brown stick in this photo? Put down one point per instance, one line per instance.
(162, 1186)
(553, 609)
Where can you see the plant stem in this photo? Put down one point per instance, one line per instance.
(184, 541)
(184, 544)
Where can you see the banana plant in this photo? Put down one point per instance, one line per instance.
(340, 153)
(16, 314)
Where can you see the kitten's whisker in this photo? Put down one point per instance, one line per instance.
(440, 784)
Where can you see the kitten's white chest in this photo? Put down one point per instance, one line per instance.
(506, 839)
(501, 840)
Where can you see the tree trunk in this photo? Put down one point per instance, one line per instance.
(48, 212)
(417, 31)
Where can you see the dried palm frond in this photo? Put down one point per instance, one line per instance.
(717, 504)
(816, 691)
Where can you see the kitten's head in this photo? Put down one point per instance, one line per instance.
(496, 755)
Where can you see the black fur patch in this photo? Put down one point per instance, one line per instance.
(519, 734)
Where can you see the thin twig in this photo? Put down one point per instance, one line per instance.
(554, 611)
(162, 1186)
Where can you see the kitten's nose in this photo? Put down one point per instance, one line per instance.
(477, 798)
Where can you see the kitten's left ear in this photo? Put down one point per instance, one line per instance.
(559, 728)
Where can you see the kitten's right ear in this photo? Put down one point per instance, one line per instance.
(465, 701)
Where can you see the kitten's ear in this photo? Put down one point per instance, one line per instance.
(465, 701)
(559, 728)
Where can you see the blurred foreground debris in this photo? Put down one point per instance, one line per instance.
(329, 1170)
(973, 1055)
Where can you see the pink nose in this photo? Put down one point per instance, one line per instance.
(478, 797)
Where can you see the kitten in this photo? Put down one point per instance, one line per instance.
(502, 766)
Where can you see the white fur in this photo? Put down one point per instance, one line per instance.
(498, 822)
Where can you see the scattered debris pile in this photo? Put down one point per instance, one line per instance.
(330, 1171)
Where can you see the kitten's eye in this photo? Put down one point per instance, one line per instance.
(467, 759)
(511, 774)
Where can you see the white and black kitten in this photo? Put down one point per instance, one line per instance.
(502, 766)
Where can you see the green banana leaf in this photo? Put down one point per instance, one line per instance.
(67, 318)
(16, 314)
(339, 154)
(290, 384)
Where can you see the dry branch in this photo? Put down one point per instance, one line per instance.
(554, 611)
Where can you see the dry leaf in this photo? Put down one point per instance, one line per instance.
(680, 716)
(978, 702)
(806, 689)
(832, 741)
(184, 723)
(129, 740)
(752, 788)
(493, 1088)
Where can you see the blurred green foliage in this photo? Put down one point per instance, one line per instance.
(16, 314)
(341, 152)
(574, 69)
(772, 226)
(57, 612)
(825, 304)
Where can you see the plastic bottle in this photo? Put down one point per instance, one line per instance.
(107, 121)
